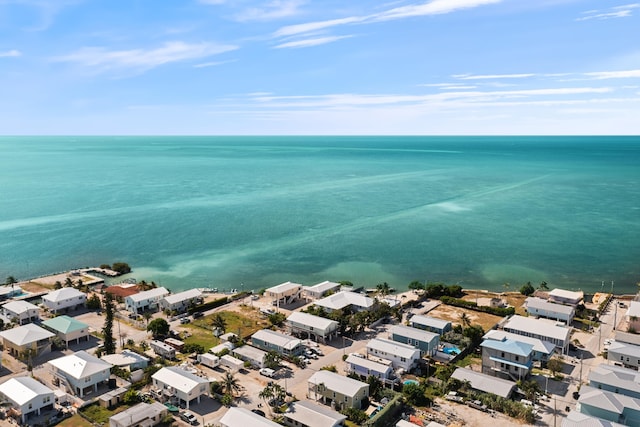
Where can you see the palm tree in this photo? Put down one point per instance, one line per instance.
(266, 394)
(383, 288)
(465, 321)
(230, 384)
(219, 323)
(68, 283)
(147, 316)
(543, 286)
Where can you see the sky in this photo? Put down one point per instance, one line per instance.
(310, 67)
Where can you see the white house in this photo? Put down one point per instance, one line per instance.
(312, 327)
(127, 360)
(68, 329)
(507, 359)
(22, 312)
(181, 301)
(633, 316)
(80, 373)
(320, 290)
(162, 349)
(303, 413)
(542, 350)
(344, 299)
(284, 293)
(250, 354)
(543, 329)
(64, 299)
(337, 390)
(616, 379)
(364, 367)
(27, 395)
(402, 356)
(542, 308)
(180, 386)
(143, 301)
(485, 383)
(562, 296)
(241, 417)
(268, 340)
(624, 353)
(140, 415)
(27, 338)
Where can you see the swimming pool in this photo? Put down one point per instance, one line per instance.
(454, 350)
(410, 382)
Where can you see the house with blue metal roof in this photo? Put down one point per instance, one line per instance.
(507, 359)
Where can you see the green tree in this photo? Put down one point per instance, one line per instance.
(415, 394)
(375, 385)
(530, 388)
(226, 400)
(230, 384)
(93, 303)
(356, 416)
(543, 286)
(527, 289)
(383, 289)
(68, 283)
(107, 330)
(416, 285)
(121, 267)
(272, 360)
(219, 323)
(57, 285)
(267, 394)
(330, 368)
(10, 281)
(555, 365)
(158, 327)
(147, 316)
(277, 319)
(192, 348)
(465, 320)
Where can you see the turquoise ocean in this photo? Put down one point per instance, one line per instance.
(252, 212)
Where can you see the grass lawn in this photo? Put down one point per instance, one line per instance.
(101, 415)
(243, 324)
(452, 314)
(75, 421)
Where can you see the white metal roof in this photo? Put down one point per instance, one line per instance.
(250, 352)
(616, 376)
(284, 287)
(563, 293)
(393, 347)
(19, 307)
(336, 382)
(578, 419)
(241, 417)
(139, 412)
(150, 294)
(540, 327)
(281, 340)
(322, 287)
(368, 364)
(80, 364)
(179, 379)
(624, 348)
(429, 321)
(634, 309)
(544, 347)
(126, 358)
(314, 415)
(509, 346)
(311, 320)
(183, 296)
(22, 390)
(543, 304)
(484, 382)
(343, 299)
(26, 334)
(607, 400)
(63, 294)
(414, 333)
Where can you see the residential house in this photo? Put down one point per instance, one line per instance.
(431, 324)
(10, 291)
(303, 413)
(320, 290)
(562, 296)
(576, 419)
(285, 345)
(485, 383)
(542, 329)
(507, 359)
(360, 365)
(616, 379)
(402, 356)
(250, 354)
(64, 299)
(162, 349)
(539, 307)
(626, 354)
(284, 293)
(542, 350)
(127, 359)
(614, 407)
(22, 312)
(27, 395)
(112, 397)
(122, 291)
(345, 299)
(633, 316)
(27, 340)
(180, 386)
(312, 327)
(140, 415)
(426, 341)
(338, 391)
(181, 301)
(80, 373)
(241, 417)
(68, 329)
(145, 301)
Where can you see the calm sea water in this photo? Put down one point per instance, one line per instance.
(252, 212)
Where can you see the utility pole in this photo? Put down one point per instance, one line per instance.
(555, 409)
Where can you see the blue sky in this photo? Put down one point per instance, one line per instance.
(226, 67)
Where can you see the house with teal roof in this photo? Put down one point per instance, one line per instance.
(507, 358)
(68, 329)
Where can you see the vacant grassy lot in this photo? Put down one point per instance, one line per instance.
(99, 414)
(244, 323)
(452, 314)
(75, 421)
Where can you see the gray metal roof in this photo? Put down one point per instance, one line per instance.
(485, 383)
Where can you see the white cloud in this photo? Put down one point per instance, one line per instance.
(491, 76)
(275, 9)
(434, 7)
(212, 64)
(10, 53)
(622, 11)
(625, 74)
(310, 42)
(216, 2)
(140, 60)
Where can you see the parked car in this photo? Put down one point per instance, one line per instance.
(198, 314)
(267, 372)
(259, 412)
(185, 320)
(189, 418)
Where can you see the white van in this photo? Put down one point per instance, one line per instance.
(267, 372)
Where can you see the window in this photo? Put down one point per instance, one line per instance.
(516, 358)
(502, 354)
